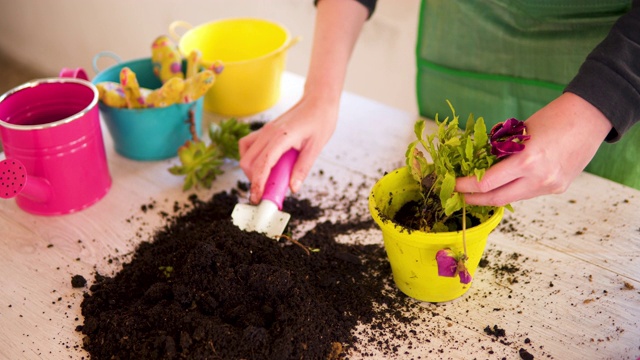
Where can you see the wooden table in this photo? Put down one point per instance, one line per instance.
(576, 294)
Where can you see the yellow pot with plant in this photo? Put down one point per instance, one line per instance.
(434, 241)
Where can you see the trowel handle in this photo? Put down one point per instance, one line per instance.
(278, 182)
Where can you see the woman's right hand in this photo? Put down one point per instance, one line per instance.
(306, 127)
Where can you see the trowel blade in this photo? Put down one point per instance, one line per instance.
(264, 218)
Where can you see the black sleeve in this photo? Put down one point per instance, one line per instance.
(610, 76)
(369, 4)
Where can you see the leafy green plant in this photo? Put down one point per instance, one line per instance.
(201, 164)
(453, 154)
(226, 135)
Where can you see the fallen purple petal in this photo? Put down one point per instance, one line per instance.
(465, 277)
(450, 266)
(447, 264)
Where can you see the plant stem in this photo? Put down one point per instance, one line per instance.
(464, 226)
(296, 242)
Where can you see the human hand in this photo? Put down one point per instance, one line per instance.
(565, 136)
(306, 127)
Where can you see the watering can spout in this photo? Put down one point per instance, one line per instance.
(14, 181)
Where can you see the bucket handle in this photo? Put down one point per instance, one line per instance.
(102, 54)
(174, 26)
(292, 42)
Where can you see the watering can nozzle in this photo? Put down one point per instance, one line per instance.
(14, 181)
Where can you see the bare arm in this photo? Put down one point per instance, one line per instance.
(309, 124)
(600, 103)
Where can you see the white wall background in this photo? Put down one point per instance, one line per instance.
(50, 34)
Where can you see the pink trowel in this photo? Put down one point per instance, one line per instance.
(268, 217)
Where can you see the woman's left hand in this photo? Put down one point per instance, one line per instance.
(565, 136)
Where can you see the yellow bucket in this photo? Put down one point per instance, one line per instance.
(412, 255)
(252, 52)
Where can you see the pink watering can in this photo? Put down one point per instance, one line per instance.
(55, 157)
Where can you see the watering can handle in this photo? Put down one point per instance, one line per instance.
(175, 25)
(102, 54)
(77, 73)
(278, 182)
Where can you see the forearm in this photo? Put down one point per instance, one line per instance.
(609, 79)
(337, 28)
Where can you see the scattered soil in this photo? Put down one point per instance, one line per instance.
(200, 288)
(495, 331)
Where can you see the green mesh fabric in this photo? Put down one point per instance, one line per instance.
(508, 58)
(620, 161)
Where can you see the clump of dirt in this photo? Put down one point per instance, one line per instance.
(78, 281)
(495, 331)
(201, 288)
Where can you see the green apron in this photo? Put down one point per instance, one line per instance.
(508, 58)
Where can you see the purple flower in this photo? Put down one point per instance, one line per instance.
(450, 266)
(465, 277)
(508, 137)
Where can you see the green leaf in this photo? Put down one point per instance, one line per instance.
(452, 142)
(440, 227)
(480, 134)
(479, 173)
(447, 188)
(453, 111)
(453, 204)
(189, 182)
(226, 135)
(469, 150)
(416, 168)
(418, 128)
(470, 124)
(410, 153)
(442, 130)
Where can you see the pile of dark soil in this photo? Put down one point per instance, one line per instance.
(200, 288)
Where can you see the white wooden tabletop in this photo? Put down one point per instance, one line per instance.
(575, 292)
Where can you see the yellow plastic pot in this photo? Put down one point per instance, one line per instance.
(412, 254)
(252, 53)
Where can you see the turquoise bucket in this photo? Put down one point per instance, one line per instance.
(152, 133)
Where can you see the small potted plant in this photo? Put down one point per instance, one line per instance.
(433, 239)
(201, 163)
